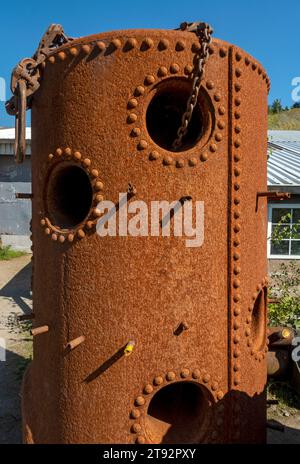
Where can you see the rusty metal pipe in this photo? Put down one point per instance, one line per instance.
(39, 330)
(76, 342)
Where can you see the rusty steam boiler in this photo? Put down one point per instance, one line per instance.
(142, 339)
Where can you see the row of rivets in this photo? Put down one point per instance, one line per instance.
(254, 66)
(67, 154)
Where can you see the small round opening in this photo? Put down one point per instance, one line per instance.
(179, 413)
(258, 322)
(165, 111)
(69, 196)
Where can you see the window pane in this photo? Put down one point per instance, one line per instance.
(280, 248)
(281, 213)
(281, 232)
(296, 215)
(295, 232)
(295, 247)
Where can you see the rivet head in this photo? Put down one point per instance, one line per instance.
(96, 213)
(131, 42)
(237, 311)
(68, 151)
(86, 49)
(236, 255)
(184, 373)
(220, 395)
(132, 103)
(89, 224)
(42, 222)
(59, 152)
(174, 68)
(237, 379)
(188, 69)
(50, 157)
(237, 129)
(180, 45)
(73, 51)
(116, 43)
(61, 55)
(237, 228)
(254, 66)
(100, 45)
(221, 124)
(180, 163)
(80, 233)
(236, 298)
(61, 238)
(236, 353)
(168, 161)
(223, 52)
(140, 401)
(237, 157)
(158, 380)
(192, 161)
(203, 156)
(238, 72)
(139, 90)
(247, 331)
(247, 61)
(213, 147)
(163, 44)
(210, 85)
(136, 131)
(170, 376)
(140, 440)
(236, 339)
(51, 59)
(54, 237)
(147, 43)
(135, 413)
(99, 185)
(214, 386)
(206, 378)
(237, 143)
(150, 79)
(238, 56)
(236, 324)
(136, 428)
(236, 283)
(148, 389)
(196, 374)
(217, 97)
(237, 87)
(237, 101)
(142, 144)
(162, 71)
(222, 110)
(236, 270)
(95, 172)
(237, 115)
(99, 198)
(77, 155)
(86, 162)
(154, 155)
(70, 237)
(131, 118)
(236, 200)
(218, 137)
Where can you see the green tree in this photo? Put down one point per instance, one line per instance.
(276, 106)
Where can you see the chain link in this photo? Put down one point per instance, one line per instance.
(203, 32)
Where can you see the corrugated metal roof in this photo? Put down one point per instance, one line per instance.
(284, 158)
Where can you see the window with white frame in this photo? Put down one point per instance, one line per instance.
(284, 231)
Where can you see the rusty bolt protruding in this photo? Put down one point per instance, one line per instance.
(76, 342)
(39, 330)
(181, 328)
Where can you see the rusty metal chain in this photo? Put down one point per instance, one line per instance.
(203, 32)
(25, 80)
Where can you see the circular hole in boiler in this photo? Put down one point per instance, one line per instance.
(165, 111)
(258, 322)
(179, 413)
(69, 196)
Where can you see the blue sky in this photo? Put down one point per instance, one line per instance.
(269, 30)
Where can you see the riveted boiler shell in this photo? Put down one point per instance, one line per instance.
(95, 111)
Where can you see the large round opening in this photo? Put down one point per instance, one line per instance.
(69, 196)
(179, 413)
(258, 321)
(165, 111)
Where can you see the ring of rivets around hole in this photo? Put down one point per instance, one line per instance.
(258, 354)
(76, 158)
(142, 400)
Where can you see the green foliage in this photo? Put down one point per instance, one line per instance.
(282, 230)
(7, 253)
(286, 288)
(284, 393)
(285, 120)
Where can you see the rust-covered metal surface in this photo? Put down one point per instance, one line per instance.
(92, 135)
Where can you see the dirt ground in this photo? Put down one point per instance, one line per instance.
(15, 299)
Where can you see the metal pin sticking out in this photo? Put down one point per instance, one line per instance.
(129, 347)
(76, 342)
(39, 330)
(181, 328)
